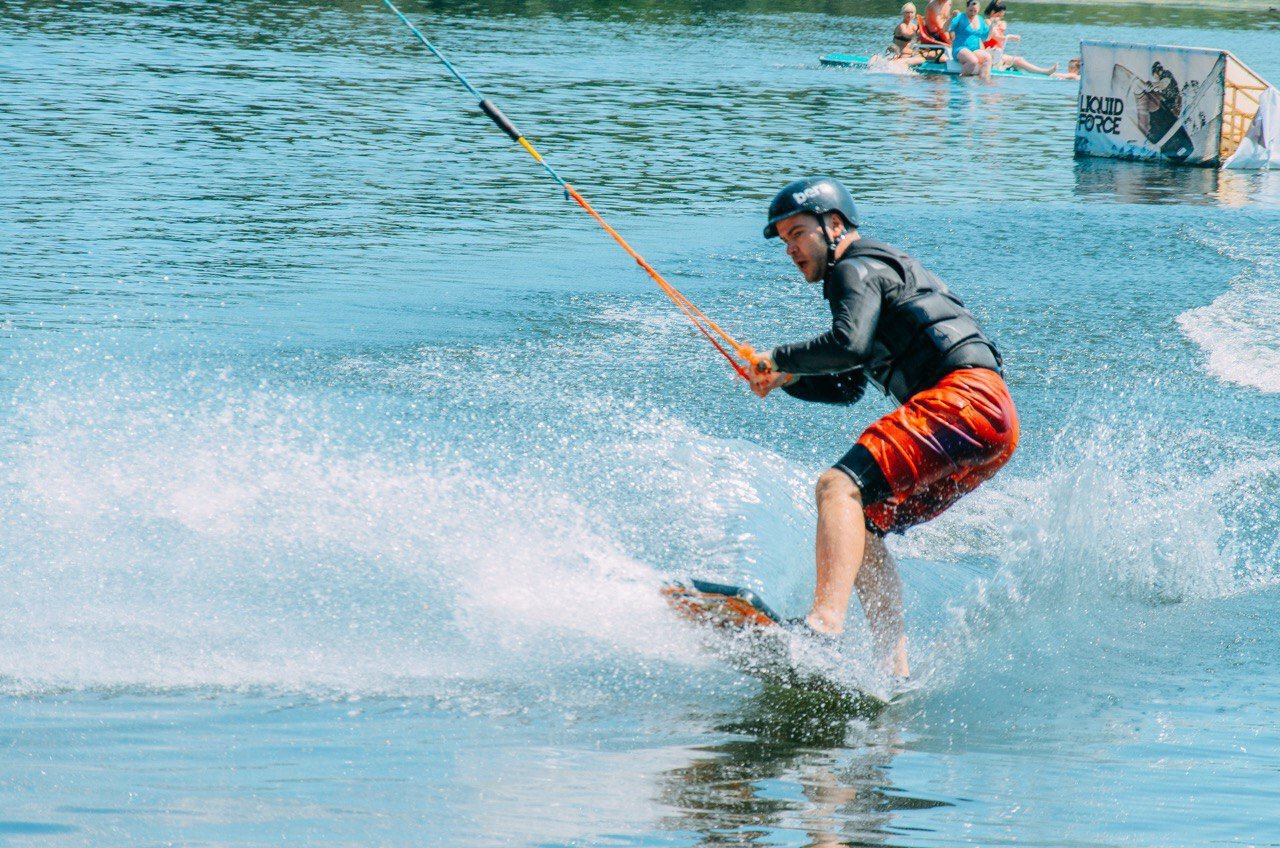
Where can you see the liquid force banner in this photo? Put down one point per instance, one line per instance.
(1148, 101)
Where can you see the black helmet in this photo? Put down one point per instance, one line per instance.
(817, 195)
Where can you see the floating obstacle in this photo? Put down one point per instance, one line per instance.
(1182, 105)
(845, 60)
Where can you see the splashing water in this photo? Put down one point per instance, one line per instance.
(1240, 330)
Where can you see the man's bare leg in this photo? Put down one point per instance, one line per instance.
(840, 546)
(880, 590)
(847, 556)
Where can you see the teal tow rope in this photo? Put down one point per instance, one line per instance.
(486, 105)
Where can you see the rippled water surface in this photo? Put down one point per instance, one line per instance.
(340, 457)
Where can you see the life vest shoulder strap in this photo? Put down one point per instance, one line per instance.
(865, 248)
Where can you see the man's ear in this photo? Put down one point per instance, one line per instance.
(835, 226)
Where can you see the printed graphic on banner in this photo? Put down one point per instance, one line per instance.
(1141, 101)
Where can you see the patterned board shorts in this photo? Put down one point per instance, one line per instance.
(918, 460)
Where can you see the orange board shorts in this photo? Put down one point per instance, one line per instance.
(934, 449)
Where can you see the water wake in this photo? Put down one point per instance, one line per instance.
(1240, 330)
(187, 527)
(168, 530)
(1110, 544)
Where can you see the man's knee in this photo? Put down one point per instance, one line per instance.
(835, 485)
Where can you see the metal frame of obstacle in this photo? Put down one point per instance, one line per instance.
(1242, 91)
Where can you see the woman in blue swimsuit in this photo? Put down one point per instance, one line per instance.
(970, 30)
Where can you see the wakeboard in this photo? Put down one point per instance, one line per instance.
(746, 632)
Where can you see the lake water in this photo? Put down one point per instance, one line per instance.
(340, 457)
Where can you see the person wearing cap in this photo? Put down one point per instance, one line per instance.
(897, 326)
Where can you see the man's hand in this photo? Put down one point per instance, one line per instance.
(765, 377)
(762, 384)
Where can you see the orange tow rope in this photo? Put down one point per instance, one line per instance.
(704, 324)
(695, 314)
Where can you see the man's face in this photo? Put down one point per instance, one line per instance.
(806, 243)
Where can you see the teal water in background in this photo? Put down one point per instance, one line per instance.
(340, 457)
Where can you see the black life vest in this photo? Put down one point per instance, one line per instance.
(924, 332)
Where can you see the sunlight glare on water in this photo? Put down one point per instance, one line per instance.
(341, 458)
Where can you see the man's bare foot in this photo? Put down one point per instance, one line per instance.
(900, 667)
(819, 624)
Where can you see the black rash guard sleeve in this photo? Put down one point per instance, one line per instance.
(845, 388)
(853, 291)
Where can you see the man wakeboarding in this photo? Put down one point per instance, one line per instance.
(898, 326)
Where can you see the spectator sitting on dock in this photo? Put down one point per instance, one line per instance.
(903, 50)
(1073, 70)
(997, 39)
(969, 31)
(999, 26)
(904, 34)
(936, 26)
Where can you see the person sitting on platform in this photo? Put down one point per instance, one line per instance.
(969, 31)
(903, 49)
(904, 34)
(997, 39)
(994, 14)
(1073, 70)
(936, 26)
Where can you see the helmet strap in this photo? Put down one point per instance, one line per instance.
(832, 243)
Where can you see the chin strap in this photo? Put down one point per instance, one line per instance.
(832, 244)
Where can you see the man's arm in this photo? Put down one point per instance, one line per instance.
(844, 389)
(855, 310)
